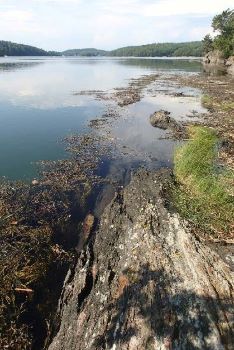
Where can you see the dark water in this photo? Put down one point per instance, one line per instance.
(38, 107)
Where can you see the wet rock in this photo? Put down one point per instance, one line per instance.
(128, 97)
(145, 281)
(35, 182)
(85, 232)
(161, 119)
(179, 94)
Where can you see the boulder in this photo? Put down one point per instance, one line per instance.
(160, 119)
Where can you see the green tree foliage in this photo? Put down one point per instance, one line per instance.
(12, 49)
(152, 50)
(162, 49)
(224, 24)
(89, 52)
(207, 44)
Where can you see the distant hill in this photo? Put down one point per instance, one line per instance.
(7, 48)
(193, 48)
(85, 52)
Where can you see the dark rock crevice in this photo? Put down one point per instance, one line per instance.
(148, 281)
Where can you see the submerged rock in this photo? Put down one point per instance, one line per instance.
(145, 281)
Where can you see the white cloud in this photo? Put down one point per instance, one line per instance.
(16, 16)
(185, 7)
(61, 24)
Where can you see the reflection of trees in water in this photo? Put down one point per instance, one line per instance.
(149, 308)
(13, 66)
(164, 64)
(170, 64)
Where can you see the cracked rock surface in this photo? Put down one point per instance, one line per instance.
(145, 281)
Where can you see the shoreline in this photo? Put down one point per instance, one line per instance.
(84, 191)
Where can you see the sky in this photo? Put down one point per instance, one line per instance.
(106, 24)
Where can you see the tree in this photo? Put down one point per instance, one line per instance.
(207, 43)
(223, 24)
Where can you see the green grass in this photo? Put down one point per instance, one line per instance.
(207, 101)
(227, 106)
(202, 191)
(210, 102)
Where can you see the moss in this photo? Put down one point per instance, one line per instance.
(210, 102)
(227, 106)
(207, 101)
(202, 193)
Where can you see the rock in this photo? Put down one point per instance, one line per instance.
(214, 58)
(230, 65)
(35, 182)
(160, 119)
(85, 232)
(215, 63)
(145, 281)
(179, 94)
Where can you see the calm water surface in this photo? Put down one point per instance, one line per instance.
(38, 107)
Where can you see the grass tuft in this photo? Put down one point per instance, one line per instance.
(202, 194)
(207, 101)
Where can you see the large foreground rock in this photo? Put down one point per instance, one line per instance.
(145, 281)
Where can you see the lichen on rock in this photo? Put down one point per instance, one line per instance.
(145, 281)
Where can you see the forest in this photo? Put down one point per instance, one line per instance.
(161, 49)
(7, 48)
(195, 48)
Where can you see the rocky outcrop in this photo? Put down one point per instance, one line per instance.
(215, 62)
(214, 58)
(162, 120)
(145, 281)
(230, 65)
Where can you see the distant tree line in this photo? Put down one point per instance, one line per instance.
(152, 50)
(7, 48)
(161, 49)
(89, 52)
(223, 26)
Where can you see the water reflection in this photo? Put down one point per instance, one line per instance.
(13, 66)
(164, 64)
(38, 107)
